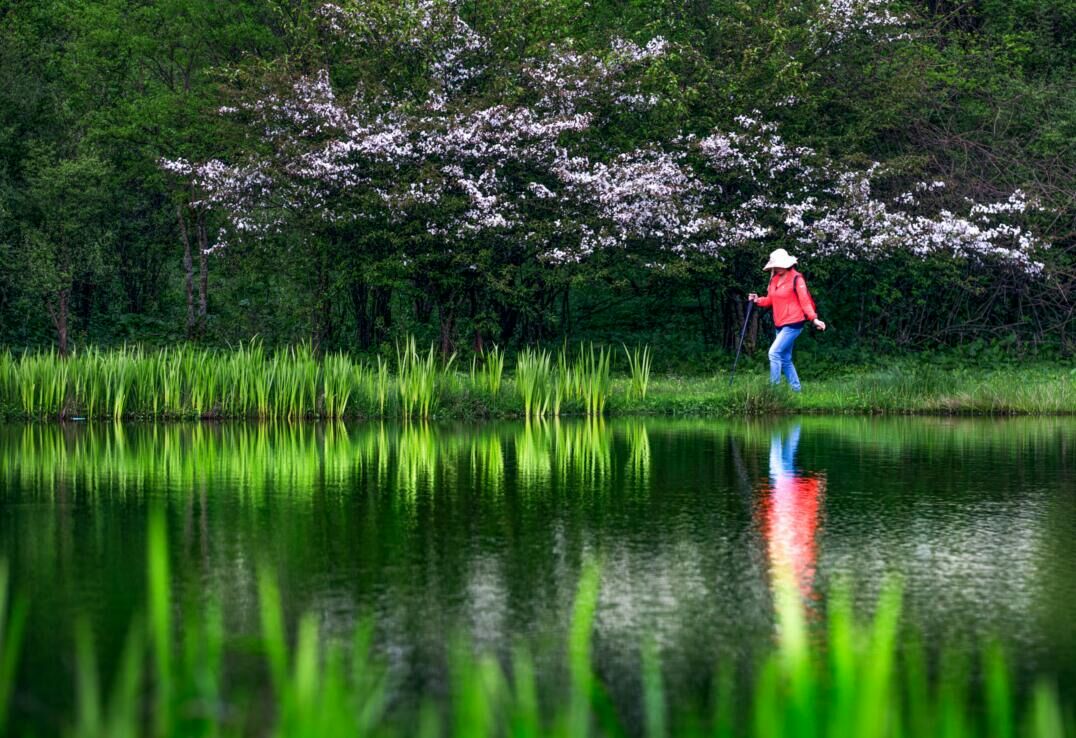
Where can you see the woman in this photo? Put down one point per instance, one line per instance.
(792, 307)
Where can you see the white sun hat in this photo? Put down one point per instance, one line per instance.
(780, 259)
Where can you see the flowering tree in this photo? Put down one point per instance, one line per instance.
(482, 174)
(832, 210)
(476, 180)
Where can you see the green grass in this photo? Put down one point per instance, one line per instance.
(902, 390)
(185, 382)
(842, 677)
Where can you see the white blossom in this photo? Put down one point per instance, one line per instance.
(464, 166)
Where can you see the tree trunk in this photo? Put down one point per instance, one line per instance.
(508, 320)
(203, 274)
(751, 340)
(381, 313)
(359, 292)
(566, 312)
(58, 312)
(188, 269)
(735, 314)
(323, 327)
(423, 307)
(477, 343)
(710, 312)
(447, 319)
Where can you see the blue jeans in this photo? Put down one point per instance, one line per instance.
(781, 357)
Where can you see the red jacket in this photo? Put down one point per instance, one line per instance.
(789, 299)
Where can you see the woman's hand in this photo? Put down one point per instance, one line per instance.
(753, 297)
(819, 324)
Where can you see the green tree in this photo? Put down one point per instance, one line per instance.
(66, 242)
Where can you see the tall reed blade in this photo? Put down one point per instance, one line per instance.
(12, 623)
(639, 361)
(160, 619)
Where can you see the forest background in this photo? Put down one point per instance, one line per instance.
(525, 171)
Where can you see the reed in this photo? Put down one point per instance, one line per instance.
(419, 379)
(488, 376)
(593, 379)
(534, 382)
(639, 362)
(563, 380)
(854, 679)
(381, 387)
(291, 383)
(340, 377)
(8, 379)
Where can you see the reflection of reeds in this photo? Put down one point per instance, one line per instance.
(416, 458)
(255, 458)
(487, 461)
(533, 447)
(584, 450)
(863, 682)
(638, 452)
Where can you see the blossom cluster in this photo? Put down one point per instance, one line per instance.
(467, 167)
(839, 20)
(854, 223)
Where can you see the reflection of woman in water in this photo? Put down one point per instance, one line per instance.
(790, 507)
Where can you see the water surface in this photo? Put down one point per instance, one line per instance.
(440, 530)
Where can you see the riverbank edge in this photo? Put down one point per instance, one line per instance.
(1032, 391)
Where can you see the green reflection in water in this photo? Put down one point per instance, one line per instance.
(125, 459)
(430, 528)
(583, 451)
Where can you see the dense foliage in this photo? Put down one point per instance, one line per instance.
(512, 172)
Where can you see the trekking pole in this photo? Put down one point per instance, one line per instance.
(739, 346)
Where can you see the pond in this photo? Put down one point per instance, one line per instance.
(438, 531)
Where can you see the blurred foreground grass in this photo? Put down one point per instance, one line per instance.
(862, 681)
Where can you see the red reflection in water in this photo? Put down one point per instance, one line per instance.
(789, 510)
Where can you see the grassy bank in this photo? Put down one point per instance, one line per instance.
(840, 677)
(906, 388)
(248, 382)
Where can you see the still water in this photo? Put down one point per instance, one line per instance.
(435, 531)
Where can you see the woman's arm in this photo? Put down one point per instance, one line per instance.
(805, 301)
(764, 301)
(804, 298)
